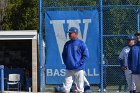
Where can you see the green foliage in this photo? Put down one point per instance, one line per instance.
(21, 15)
(57, 3)
(117, 21)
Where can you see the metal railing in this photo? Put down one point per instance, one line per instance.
(2, 78)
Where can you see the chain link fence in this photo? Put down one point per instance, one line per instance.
(118, 22)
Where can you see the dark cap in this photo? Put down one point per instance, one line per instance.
(73, 30)
(131, 37)
(137, 34)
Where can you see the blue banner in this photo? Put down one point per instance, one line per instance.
(57, 24)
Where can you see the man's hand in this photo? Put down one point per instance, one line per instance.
(124, 68)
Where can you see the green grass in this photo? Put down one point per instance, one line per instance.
(94, 88)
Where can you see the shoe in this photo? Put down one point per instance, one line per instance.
(103, 90)
(86, 88)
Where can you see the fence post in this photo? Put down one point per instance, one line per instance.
(101, 44)
(40, 45)
(2, 78)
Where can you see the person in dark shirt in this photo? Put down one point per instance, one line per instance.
(134, 62)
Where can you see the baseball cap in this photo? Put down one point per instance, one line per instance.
(131, 37)
(73, 30)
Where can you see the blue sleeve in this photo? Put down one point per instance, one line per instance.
(85, 54)
(121, 62)
(129, 59)
(64, 54)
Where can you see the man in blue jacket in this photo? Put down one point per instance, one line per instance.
(75, 53)
(134, 62)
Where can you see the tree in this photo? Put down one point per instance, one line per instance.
(21, 15)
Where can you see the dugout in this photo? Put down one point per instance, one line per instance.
(18, 54)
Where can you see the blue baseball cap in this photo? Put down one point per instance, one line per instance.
(73, 30)
(131, 37)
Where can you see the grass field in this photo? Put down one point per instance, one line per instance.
(94, 88)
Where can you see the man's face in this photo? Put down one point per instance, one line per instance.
(138, 38)
(131, 42)
(73, 35)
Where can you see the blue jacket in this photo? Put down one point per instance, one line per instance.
(75, 53)
(134, 59)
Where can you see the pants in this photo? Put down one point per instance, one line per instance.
(76, 76)
(86, 83)
(130, 80)
(137, 81)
